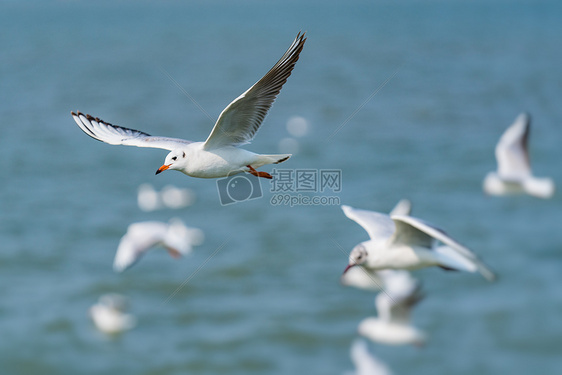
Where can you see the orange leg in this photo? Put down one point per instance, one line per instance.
(258, 174)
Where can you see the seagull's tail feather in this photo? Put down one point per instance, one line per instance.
(539, 187)
(485, 271)
(271, 159)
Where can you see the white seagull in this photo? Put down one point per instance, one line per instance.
(514, 175)
(404, 242)
(141, 237)
(365, 363)
(219, 155)
(170, 196)
(392, 326)
(109, 314)
(372, 280)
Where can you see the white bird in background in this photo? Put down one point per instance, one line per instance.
(109, 314)
(174, 236)
(372, 280)
(392, 326)
(219, 155)
(404, 242)
(170, 197)
(365, 363)
(363, 278)
(514, 175)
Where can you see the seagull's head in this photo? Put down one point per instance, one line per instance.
(174, 160)
(357, 257)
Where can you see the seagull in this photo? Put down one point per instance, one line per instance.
(514, 175)
(109, 314)
(170, 196)
(219, 155)
(392, 326)
(405, 242)
(141, 237)
(363, 278)
(372, 280)
(365, 363)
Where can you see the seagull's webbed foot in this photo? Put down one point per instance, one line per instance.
(252, 171)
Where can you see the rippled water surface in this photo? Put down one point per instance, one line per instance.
(269, 300)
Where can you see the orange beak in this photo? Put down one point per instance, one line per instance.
(162, 168)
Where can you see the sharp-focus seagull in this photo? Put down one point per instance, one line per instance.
(514, 175)
(141, 237)
(365, 363)
(392, 326)
(372, 280)
(109, 314)
(404, 242)
(219, 155)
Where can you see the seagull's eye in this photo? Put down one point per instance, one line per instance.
(175, 158)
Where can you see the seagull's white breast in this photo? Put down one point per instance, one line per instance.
(217, 162)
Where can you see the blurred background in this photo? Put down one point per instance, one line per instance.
(269, 300)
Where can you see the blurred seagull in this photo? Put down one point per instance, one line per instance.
(514, 175)
(219, 155)
(404, 242)
(365, 363)
(170, 196)
(174, 197)
(363, 278)
(392, 325)
(141, 237)
(109, 314)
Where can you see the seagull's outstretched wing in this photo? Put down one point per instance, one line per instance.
(412, 231)
(117, 135)
(140, 237)
(379, 226)
(401, 292)
(397, 309)
(398, 284)
(404, 207)
(511, 151)
(128, 253)
(363, 278)
(241, 119)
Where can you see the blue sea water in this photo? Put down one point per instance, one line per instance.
(269, 300)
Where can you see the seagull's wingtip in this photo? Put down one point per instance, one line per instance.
(492, 277)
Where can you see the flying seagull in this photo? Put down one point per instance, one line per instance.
(143, 236)
(219, 155)
(392, 326)
(514, 175)
(405, 242)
